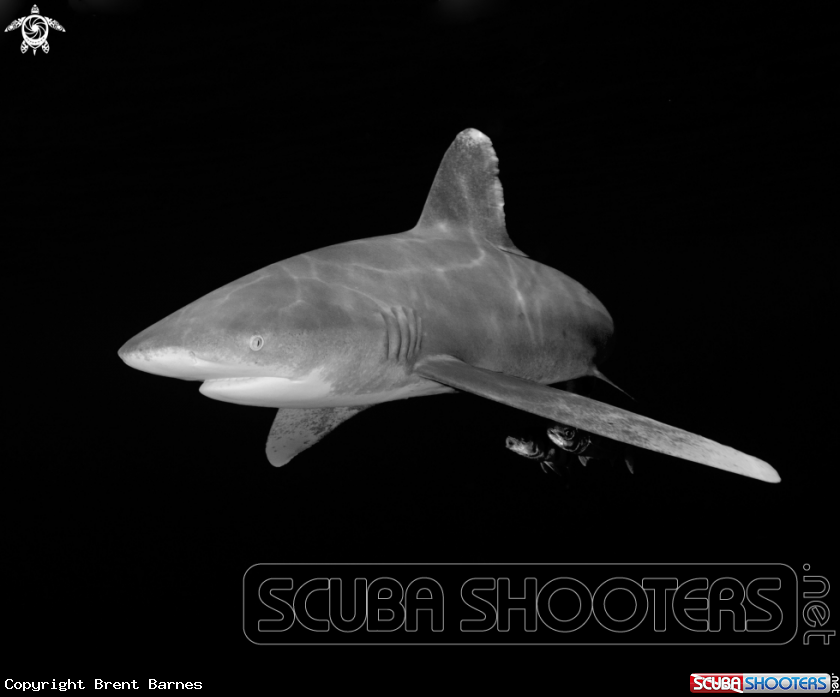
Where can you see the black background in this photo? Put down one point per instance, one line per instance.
(676, 162)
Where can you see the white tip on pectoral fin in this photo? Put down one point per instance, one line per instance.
(294, 430)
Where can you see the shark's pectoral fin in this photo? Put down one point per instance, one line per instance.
(294, 430)
(595, 417)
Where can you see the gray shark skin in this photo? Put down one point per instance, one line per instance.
(449, 304)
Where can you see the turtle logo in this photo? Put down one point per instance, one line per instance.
(35, 28)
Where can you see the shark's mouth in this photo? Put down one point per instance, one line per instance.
(265, 391)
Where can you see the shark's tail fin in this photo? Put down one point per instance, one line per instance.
(598, 374)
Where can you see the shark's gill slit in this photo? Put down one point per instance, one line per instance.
(392, 336)
(405, 333)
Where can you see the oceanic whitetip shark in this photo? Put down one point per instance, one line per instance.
(449, 305)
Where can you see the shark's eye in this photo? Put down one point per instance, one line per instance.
(257, 342)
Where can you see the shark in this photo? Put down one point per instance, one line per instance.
(450, 305)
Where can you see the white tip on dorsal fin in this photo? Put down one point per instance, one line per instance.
(467, 194)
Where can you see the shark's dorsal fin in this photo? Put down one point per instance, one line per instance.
(466, 196)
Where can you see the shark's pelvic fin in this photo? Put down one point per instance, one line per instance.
(593, 416)
(466, 196)
(294, 430)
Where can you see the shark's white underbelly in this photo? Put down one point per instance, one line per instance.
(310, 391)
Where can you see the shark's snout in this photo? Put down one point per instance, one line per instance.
(151, 355)
(170, 362)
